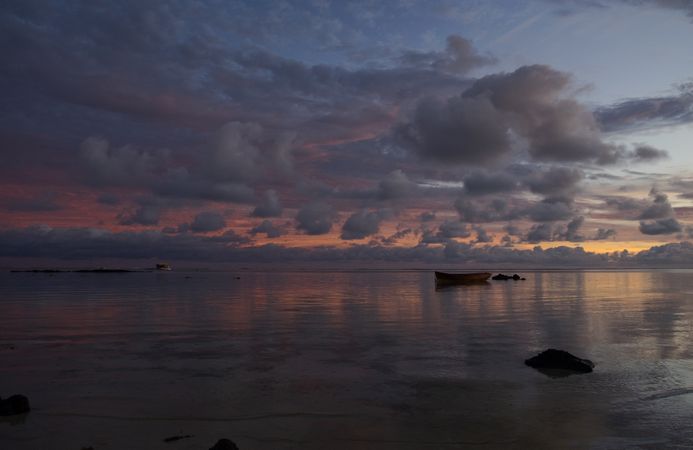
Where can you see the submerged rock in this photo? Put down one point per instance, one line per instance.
(17, 404)
(557, 363)
(224, 444)
(177, 438)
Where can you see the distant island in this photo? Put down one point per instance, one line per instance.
(159, 267)
(99, 270)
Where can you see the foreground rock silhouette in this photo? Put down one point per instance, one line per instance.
(224, 444)
(17, 404)
(559, 363)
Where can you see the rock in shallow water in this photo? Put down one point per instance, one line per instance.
(224, 444)
(502, 276)
(17, 404)
(554, 362)
(177, 437)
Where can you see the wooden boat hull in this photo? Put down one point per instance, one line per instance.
(462, 278)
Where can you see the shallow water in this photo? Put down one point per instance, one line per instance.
(339, 360)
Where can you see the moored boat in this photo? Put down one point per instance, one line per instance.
(462, 278)
(163, 266)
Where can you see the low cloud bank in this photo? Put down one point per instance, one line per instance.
(89, 243)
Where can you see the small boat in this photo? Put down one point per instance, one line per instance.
(163, 266)
(461, 278)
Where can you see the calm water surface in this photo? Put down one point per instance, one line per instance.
(345, 360)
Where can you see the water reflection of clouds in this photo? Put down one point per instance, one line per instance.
(404, 361)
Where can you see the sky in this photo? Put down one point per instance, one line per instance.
(464, 132)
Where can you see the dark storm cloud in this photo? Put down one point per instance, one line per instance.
(174, 72)
(181, 184)
(681, 5)
(647, 112)
(550, 211)
(196, 107)
(396, 185)
(475, 211)
(571, 232)
(456, 250)
(512, 230)
(427, 216)
(453, 229)
(626, 204)
(268, 228)
(604, 233)
(660, 207)
(238, 154)
(538, 103)
(540, 233)
(207, 221)
(533, 102)
(558, 185)
(429, 237)
(660, 226)
(392, 187)
(104, 165)
(687, 233)
(361, 224)
(315, 218)
(108, 199)
(459, 56)
(545, 232)
(663, 214)
(269, 206)
(142, 215)
(646, 153)
(44, 202)
(482, 236)
(555, 182)
(483, 183)
(398, 235)
(242, 149)
(229, 238)
(459, 130)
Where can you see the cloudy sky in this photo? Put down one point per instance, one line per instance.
(462, 131)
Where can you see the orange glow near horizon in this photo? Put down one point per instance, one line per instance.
(79, 208)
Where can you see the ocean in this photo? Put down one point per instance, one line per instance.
(345, 359)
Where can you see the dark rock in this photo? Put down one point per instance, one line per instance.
(17, 404)
(177, 438)
(224, 444)
(559, 363)
(501, 276)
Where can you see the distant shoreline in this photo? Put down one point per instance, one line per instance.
(347, 269)
(82, 270)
